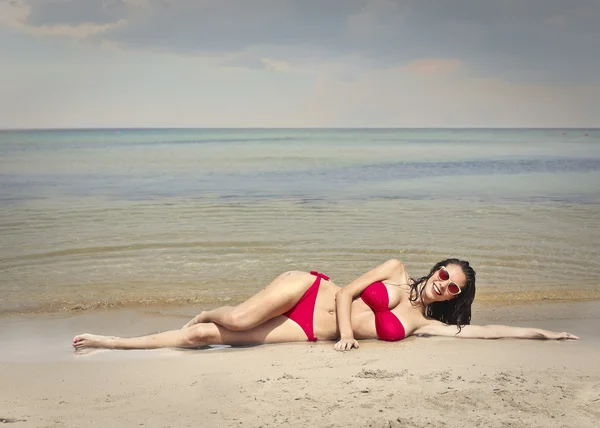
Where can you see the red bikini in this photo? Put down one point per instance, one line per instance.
(387, 325)
(302, 313)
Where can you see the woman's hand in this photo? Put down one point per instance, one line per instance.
(346, 345)
(192, 322)
(553, 335)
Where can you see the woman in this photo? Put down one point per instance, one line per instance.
(298, 306)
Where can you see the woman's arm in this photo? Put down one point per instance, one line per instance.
(343, 299)
(436, 328)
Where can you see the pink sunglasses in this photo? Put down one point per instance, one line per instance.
(444, 275)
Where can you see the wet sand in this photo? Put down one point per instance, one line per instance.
(418, 382)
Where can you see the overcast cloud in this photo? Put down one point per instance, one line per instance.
(551, 44)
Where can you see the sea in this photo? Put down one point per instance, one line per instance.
(118, 218)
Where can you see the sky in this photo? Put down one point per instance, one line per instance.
(299, 63)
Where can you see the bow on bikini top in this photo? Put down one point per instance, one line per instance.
(387, 325)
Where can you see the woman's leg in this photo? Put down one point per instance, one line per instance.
(278, 329)
(275, 299)
(202, 316)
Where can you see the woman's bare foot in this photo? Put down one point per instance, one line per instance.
(84, 341)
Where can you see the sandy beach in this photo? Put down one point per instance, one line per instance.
(418, 382)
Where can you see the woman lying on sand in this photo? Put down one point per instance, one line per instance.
(384, 303)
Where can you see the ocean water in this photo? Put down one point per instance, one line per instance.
(129, 217)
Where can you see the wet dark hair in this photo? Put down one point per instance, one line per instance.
(456, 311)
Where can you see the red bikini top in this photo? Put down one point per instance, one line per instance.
(388, 326)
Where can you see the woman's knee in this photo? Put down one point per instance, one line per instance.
(238, 320)
(199, 334)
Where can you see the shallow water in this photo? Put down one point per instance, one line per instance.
(133, 217)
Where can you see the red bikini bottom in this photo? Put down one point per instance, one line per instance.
(303, 312)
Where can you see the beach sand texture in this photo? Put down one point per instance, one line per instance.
(418, 382)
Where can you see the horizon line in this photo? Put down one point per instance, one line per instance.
(131, 128)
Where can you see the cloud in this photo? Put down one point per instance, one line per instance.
(253, 61)
(400, 97)
(553, 40)
(377, 19)
(276, 64)
(432, 66)
(57, 18)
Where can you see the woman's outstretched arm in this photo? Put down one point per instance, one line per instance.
(436, 328)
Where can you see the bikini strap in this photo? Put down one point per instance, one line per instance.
(319, 275)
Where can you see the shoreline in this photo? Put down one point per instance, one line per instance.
(502, 296)
(47, 337)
